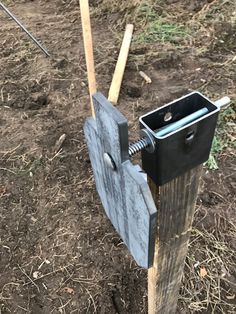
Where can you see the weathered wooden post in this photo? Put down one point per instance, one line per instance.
(176, 203)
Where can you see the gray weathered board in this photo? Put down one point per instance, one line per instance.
(124, 192)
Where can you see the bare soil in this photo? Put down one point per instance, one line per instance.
(58, 251)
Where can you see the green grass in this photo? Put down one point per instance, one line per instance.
(224, 138)
(146, 11)
(161, 31)
(216, 149)
(30, 168)
(156, 26)
(6, 2)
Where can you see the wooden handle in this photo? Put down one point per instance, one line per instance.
(88, 47)
(120, 66)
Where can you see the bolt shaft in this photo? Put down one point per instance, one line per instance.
(136, 147)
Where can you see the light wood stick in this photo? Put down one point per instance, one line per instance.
(120, 66)
(88, 47)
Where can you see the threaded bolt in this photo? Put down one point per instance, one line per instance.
(136, 147)
(146, 141)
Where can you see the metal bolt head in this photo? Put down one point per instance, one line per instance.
(109, 161)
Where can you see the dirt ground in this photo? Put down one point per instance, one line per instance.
(58, 251)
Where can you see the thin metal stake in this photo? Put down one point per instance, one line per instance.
(24, 29)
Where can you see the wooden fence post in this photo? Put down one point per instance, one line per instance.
(175, 203)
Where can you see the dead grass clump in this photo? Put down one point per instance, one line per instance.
(137, 12)
(119, 6)
(209, 282)
(213, 22)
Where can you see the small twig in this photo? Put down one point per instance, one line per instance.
(59, 143)
(22, 308)
(29, 278)
(62, 307)
(56, 155)
(46, 275)
(8, 170)
(92, 299)
(10, 151)
(145, 77)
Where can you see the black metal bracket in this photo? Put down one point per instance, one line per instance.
(183, 148)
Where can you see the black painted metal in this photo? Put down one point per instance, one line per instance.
(185, 148)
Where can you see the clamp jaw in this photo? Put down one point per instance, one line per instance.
(174, 139)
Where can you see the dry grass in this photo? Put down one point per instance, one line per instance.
(57, 254)
(209, 278)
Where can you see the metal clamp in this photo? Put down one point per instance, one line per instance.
(147, 141)
(180, 136)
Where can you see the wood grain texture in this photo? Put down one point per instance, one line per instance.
(176, 205)
(114, 91)
(124, 192)
(88, 48)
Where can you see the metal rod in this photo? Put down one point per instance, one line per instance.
(24, 29)
(224, 101)
(182, 122)
(145, 142)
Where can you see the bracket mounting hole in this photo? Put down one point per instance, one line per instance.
(168, 116)
(190, 136)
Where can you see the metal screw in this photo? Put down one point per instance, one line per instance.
(146, 142)
(136, 147)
